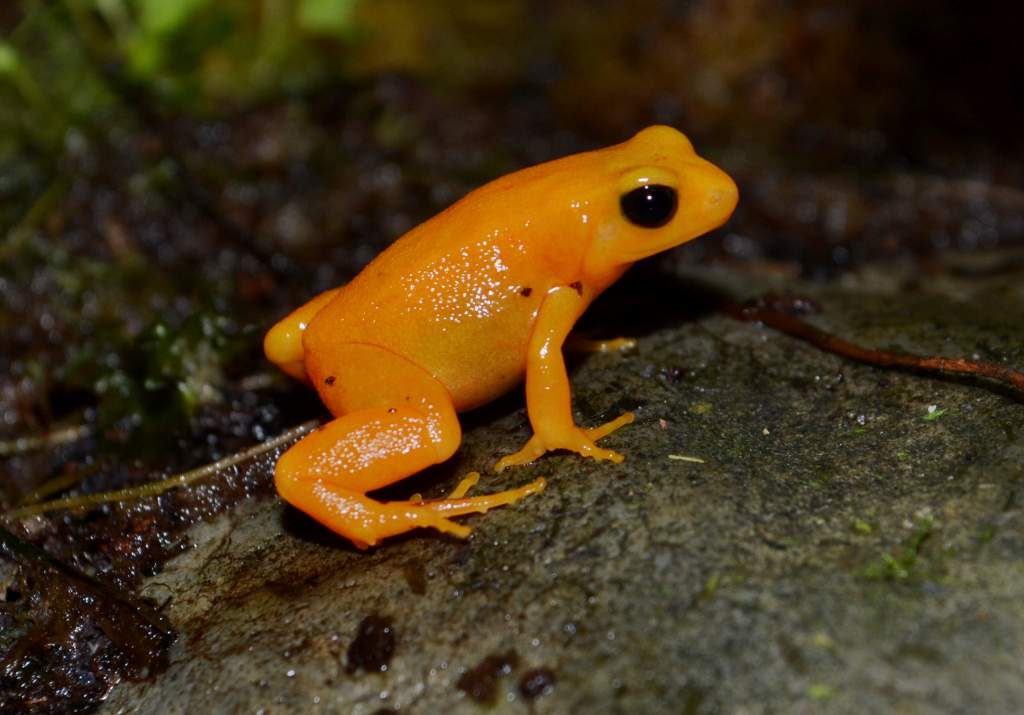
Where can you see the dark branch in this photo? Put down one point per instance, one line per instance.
(777, 313)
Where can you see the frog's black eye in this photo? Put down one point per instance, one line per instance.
(650, 206)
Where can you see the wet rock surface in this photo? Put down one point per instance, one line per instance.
(790, 532)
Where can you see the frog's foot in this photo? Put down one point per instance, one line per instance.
(576, 344)
(437, 513)
(576, 440)
(457, 503)
(365, 521)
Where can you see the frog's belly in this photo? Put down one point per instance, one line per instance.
(473, 340)
(476, 361)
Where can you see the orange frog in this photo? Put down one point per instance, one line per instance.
(454, 313)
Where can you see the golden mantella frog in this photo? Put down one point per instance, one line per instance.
(455, 313)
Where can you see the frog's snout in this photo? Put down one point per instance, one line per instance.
(721, 193)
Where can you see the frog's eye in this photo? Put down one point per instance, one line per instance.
(649, 206)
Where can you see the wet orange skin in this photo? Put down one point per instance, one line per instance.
(457, 311)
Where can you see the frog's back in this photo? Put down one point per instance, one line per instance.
(457, 294)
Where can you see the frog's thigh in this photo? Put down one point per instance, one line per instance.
(395, 419)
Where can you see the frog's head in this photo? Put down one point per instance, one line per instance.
(656, 193)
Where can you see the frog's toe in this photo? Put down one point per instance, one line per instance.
(467, 483)
(608, 427)
(603, 455)
(533, 449)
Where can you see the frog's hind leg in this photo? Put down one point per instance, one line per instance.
(396, 419)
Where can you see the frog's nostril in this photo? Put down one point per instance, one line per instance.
(723, 195)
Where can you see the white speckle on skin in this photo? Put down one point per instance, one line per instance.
(467, 288)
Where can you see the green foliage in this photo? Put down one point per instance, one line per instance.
(196, 53)
(192, 55)
(68, 63)
(162, 17)
(328, 17)
(47, 87)
(8, 59)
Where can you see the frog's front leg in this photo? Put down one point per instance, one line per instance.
(548, 398)
(395, 419)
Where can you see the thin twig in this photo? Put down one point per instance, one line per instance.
(771, 312)
(157, 488)
(62, 482)
(65, 435)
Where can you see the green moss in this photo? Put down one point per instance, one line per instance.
(820, 691)
(862, 527)
(901, 566)
(986, 534)
(821, 639)
(149, 387)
